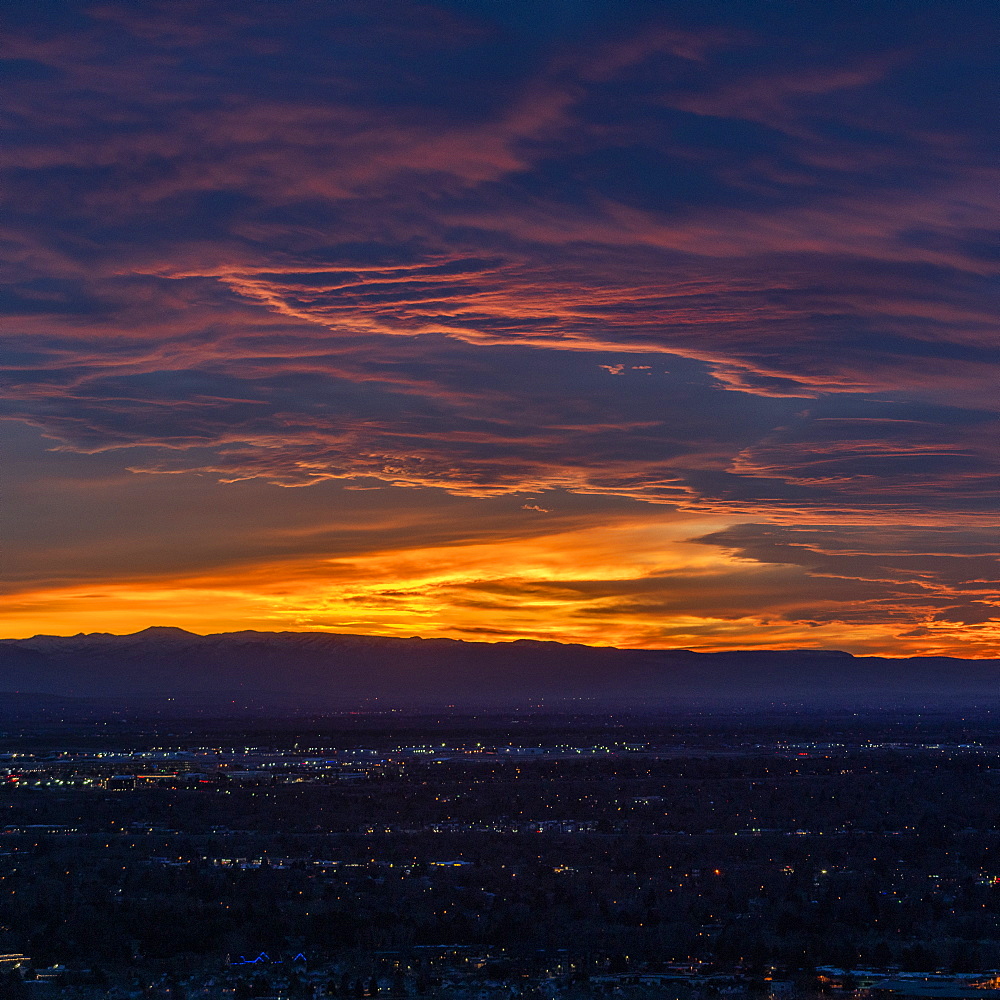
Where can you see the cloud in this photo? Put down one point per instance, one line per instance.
(904, 573)
(636, 579)
(396, 247)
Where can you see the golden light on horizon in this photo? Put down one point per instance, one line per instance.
(631, 584)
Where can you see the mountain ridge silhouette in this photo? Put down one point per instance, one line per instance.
(329, 670)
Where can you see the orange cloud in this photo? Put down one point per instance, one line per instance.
(635, 583)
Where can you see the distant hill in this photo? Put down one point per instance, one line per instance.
(320, 671)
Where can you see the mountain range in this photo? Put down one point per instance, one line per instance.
(322, 671)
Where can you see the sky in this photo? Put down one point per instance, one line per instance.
(648, 324)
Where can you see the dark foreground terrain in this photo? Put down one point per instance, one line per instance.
(367, 855)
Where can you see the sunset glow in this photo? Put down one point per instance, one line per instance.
(645, 328)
